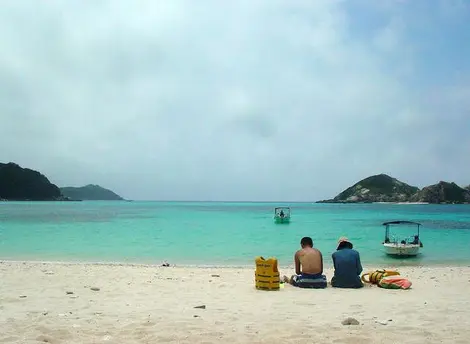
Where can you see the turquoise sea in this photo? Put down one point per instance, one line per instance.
(196, 233)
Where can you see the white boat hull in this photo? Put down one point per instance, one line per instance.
(401, 249)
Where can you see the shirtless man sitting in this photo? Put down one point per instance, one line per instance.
(308, 267)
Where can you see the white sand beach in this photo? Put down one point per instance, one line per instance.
(54, 303)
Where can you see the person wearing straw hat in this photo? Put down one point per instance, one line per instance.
(347, 264)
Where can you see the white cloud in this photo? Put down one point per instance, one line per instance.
(222, 100)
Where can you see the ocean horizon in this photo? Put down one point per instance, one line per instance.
(221, 233)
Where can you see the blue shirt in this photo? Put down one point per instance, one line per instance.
(348, 267)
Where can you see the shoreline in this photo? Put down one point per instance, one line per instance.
(327, 266)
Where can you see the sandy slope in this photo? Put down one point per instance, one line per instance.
(145, 304)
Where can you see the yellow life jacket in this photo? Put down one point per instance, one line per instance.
(377, 275)
(266, 274)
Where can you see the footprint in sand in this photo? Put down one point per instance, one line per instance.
(46, 339)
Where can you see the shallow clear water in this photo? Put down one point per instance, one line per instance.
(220, 233)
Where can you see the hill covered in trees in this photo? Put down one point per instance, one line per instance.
(90, 193)
(24, 184)
(383, 188)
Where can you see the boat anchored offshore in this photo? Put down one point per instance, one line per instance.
(407, 246)
(282, 215)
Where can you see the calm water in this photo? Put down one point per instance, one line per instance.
(219, 233)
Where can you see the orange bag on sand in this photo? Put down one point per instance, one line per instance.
(394, 282)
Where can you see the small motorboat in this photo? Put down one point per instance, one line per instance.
(282, 215)
(405, 246)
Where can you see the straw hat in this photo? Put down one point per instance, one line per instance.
(342, 240)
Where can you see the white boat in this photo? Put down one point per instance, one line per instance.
(408, 246)
(282, 215)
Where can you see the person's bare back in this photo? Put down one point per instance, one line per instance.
(308, 267)
(310, 261)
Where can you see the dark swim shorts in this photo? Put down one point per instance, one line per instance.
(310, 281)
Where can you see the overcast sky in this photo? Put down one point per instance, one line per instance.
(236, 100)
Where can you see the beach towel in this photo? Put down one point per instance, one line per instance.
(394, 282)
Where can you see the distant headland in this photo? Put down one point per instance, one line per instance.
(90, 193)
(23, 184)
(383, 188)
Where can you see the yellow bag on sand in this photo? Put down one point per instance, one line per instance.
(377, 275)
(267, 274)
